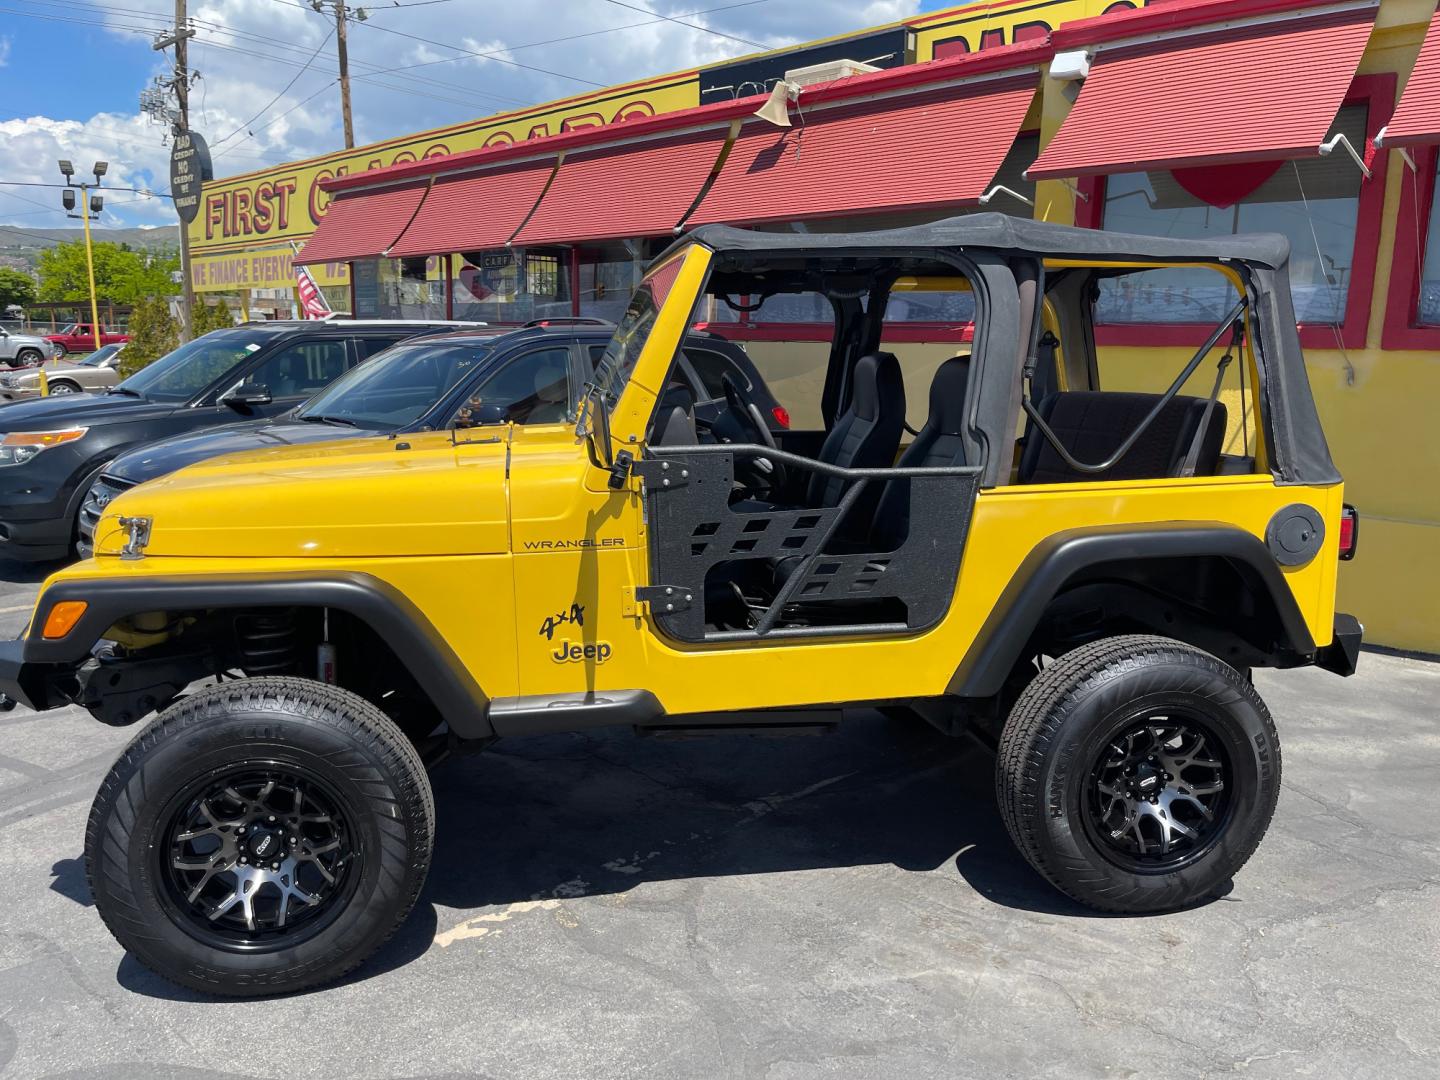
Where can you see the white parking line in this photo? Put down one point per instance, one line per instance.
(12, 610)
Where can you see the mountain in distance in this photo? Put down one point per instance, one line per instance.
(26, 244)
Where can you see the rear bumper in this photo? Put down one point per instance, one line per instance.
(1343, 652)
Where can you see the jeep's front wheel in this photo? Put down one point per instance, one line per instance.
(1138, 774)
(261, 836)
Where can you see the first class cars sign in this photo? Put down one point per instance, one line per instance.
(189, 168)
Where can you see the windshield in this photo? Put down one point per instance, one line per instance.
(99, 356)
(180, 375)
(69, 330)
(617, 364)
(398, 386)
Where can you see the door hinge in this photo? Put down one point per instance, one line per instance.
(663, 599)
(620, 469)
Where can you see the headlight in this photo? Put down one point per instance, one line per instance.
(7, 381)
(21, 446)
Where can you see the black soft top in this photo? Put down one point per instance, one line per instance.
(1001, 231)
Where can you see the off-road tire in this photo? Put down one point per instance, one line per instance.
(27, 358)
(328, 733)
(1058, 726)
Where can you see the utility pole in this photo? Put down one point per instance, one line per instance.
(340, 45)
(342, 48)
(180, 38)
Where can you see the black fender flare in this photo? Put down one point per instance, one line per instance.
(388, 611)
(1058, 558)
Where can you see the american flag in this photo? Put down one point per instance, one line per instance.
(312, 300)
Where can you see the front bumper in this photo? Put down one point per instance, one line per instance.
(20, 681)
(1343, 652)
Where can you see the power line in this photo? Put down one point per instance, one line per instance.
(578, 37)
(325, 41)
(692, 26)
(469, 52)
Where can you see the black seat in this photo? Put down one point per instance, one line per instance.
(938, 443)
(674, 423)
(867, 434)
(1091, 425)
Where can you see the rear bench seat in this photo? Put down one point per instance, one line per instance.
(1091, 425)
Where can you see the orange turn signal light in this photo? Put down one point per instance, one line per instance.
(63, 617)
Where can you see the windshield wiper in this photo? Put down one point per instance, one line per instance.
(124, 391)
(315, 418)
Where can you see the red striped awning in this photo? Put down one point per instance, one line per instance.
(363, 224)
(940, 146)
(631, 189)
(1258, 92)
(1417, 118)
(473, 211)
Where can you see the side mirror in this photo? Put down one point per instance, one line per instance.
(111, 362)
(248, 396)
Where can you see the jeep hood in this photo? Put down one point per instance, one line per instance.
(371, 497)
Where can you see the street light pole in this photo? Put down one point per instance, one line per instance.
(89, 205)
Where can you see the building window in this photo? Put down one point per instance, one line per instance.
(608, 275)
(399, 288)
(1314, 202)
(1428, 311)
(511, 286)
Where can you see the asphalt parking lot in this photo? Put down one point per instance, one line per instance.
(846, 906)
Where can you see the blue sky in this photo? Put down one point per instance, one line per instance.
(71, 72)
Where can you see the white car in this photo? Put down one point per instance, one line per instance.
(98, 371)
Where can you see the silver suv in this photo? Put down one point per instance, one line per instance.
(22, 350)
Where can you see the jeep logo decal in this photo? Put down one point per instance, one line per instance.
(573, 652)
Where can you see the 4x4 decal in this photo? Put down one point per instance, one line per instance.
(575, 615)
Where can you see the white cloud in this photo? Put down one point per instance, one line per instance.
(4, 51)
(246, 51)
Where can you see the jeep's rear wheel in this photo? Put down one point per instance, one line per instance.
(262, 836)
(1138, 774)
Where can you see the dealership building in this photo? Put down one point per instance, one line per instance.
(1184, 117)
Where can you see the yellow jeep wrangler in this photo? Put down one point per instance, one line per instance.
(1081, 550)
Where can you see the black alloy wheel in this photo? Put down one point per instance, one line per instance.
(1157, 794)
(258, 857)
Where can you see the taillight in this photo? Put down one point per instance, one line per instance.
(1349, 531)
(781, 416)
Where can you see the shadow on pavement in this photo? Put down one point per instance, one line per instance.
(70, 882)
(602, 813)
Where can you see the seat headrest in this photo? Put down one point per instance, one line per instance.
(877, 380)
(947, 396)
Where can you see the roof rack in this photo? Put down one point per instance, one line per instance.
(570, 320)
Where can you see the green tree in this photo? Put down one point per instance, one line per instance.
(206, 317)
(121, 274)
(16, 287)
(153, 333)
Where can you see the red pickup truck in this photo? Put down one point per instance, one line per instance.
(80, 337)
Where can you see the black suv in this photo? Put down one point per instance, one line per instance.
(533, 375)
(53, 449)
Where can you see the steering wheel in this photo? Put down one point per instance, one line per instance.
(765, 472)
